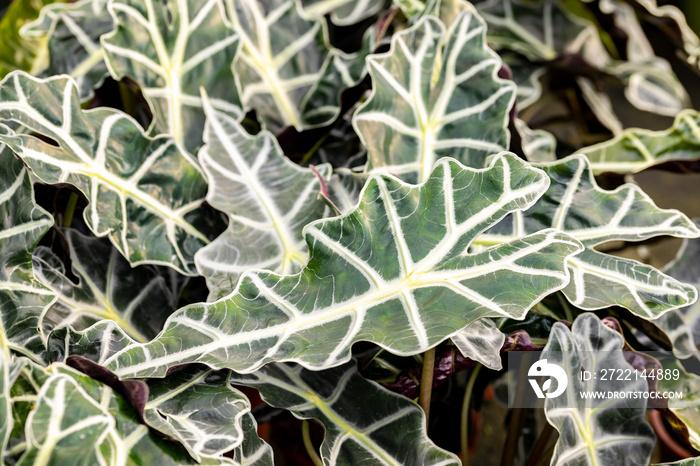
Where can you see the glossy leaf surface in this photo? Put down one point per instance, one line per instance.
(172, 50)
(364, 423)
(144, 193)
(598, 279)
(435, 94)
(368, 279)
(595, 431)
(22, 298)
(268, 200)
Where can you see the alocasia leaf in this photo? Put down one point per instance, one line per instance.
(364, 422)
(196, 406)
(651, 83)
(544, 31)
(393, 271)
(73, 31)
(78, 420)
(171, 50)
(200, 409)
(687, 407)
(144, 193)
(538, 145)
(689, 39)
(96, 343)
(343, 12)
(683, 326)
(481, 341)
(435, 94)
(599, 280)
(595, 431)
(253, 451)
(268, 200)
(283, 58)
(66, 426)
(685, 462)
(23, 223)
(637, 149)
(107, 288)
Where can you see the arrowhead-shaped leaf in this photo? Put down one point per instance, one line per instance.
(282, 61)
(364, 422)
(368, 279)
(144, 193)
(268, 200)
(600, 280)
(22, 297)
(172, 50)
(435, 94)
(637, 149)
(595, 431)
(108, 288)
(73, 33)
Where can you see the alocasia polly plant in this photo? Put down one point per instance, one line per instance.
(327, 202)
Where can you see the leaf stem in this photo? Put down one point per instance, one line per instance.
(464, 440)
(540, 446)
(517, 419)
(315, 459)
(426, 382)
(70, 210)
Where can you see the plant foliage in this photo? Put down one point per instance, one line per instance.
(310, 200)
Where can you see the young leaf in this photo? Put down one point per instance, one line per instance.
(173, 50)
(22, 298)
(108, 288)
(73, 31)
(637, 149)
(268, 200)
(282, 59)
(481, 341)
(144, 193)
(600, 280)
(393, 271)
(595, 431)
(435, 94)
(364, 422)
